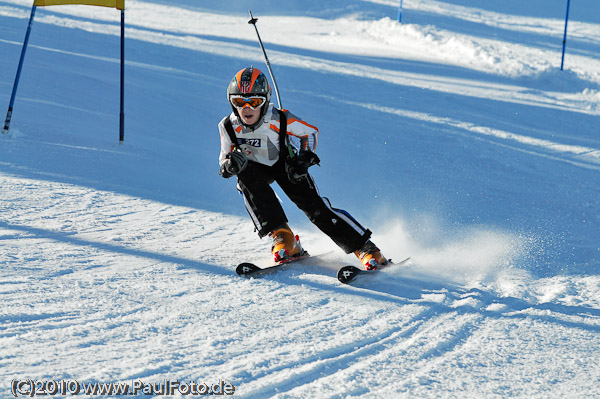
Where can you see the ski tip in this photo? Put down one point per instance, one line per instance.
(347, 273)
(247, 269)
(243, 269)
(402, 262)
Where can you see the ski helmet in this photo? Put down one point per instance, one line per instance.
(249, 82)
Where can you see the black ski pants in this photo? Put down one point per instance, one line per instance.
(254, 182)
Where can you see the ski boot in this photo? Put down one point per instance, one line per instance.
(285, 245)
(370, 256)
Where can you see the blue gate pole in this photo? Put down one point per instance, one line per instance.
(400, 12)
(14, 90)
(562, 61)
(122, 113)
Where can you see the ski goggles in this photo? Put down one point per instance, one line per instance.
(253, 102)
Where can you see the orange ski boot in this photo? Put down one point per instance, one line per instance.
(285, 245)
(370, 256)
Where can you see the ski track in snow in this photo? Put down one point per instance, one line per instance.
(88, 250)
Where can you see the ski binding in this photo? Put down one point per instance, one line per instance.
(347, 274)
(251, 270)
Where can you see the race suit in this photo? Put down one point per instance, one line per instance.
(266, 164)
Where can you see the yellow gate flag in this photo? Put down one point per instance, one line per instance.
(120, 4)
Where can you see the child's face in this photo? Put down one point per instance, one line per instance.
(249, 116)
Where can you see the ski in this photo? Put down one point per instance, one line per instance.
(347, 274)
(251, 270)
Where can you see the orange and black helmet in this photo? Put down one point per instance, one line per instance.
(249, 82)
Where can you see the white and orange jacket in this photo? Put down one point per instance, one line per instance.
(261, 143)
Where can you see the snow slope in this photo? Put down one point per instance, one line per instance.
(453, 136)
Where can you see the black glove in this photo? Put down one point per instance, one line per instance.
(297, 167)
(234, 164)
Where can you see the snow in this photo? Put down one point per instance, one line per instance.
(453, 136)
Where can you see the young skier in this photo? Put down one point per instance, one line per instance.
(261, 144)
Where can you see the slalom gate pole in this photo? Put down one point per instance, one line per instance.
(253, 22)
(14, 90)
(564, 43)
(122, 114)
(400, 12)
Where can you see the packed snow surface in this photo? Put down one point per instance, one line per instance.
(454, 136)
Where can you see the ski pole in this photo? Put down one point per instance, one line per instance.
(253, 22)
